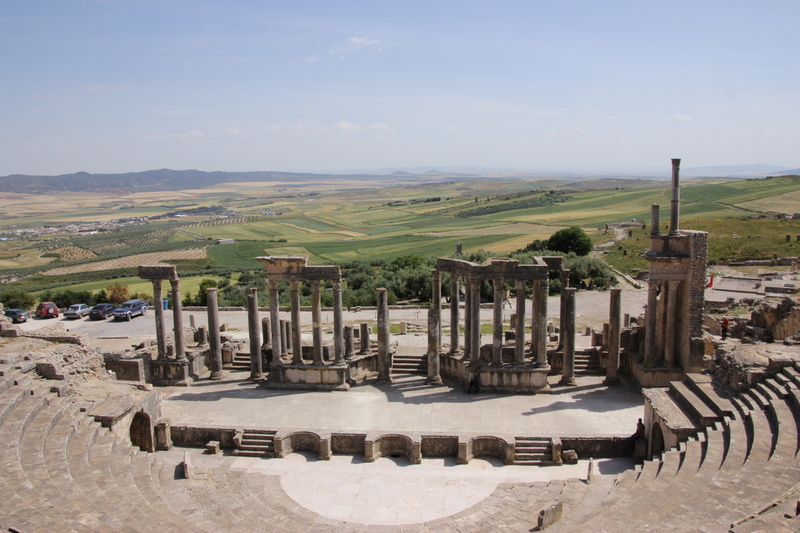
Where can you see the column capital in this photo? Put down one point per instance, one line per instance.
(273, 284)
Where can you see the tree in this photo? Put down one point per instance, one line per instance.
(572, 239)
(17, 299)
(117, 293)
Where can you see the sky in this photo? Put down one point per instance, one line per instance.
(112, 86)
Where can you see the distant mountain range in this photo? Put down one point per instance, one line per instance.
(174, 180)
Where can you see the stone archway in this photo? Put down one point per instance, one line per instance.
(141, 432)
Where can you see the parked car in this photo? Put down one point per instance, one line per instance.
(77, 311)
(129, 309)
(101, 311)
(47, 310)
(17, 315)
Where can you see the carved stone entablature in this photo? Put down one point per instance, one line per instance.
(500, 269)
(296, 268)
(168, 272)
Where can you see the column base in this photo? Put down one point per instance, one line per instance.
(612, 382)
(436, 380)
(216, 376)
(567, 381)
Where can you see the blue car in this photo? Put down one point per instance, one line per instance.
(130, 309)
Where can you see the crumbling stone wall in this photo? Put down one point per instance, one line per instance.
(781, 320)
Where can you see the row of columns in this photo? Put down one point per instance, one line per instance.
(472, 318)
(661, 318)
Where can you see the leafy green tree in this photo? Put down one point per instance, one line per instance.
(17, 299)
(572, 239)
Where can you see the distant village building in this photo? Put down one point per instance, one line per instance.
(225, 241)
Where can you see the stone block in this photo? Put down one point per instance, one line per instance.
(212, 447)
(569, 457)
(550, 515)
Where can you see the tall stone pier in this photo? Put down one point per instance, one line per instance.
(568, 329)
(614, 311)
(384, 356)
(214, 340)
(254, 330)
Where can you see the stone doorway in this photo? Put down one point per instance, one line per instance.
(141, 433)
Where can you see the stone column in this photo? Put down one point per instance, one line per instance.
(436, 306)
(275, 323)
(316, 323)
(177, 321)
(655, 216)
(562, 317)
(614, 312)
(497, 323)
(364, 340)
(433, 347)
(161, 327)
(265, 334)
(286, 338)
(671, 324)
(650, 320)
(254, 329)
(349, 345)
(539, 324)
(675, 203)
(475, 320)
(338, 332)
(454, 320)
(384, 358)
(467, 288)
(297, 339)
(568, 372)
(519, 333)
(214, 343)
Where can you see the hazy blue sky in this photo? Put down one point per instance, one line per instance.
(329, 86)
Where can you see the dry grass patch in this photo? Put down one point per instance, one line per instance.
(130, 261)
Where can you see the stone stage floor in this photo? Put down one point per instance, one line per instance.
(390, 491)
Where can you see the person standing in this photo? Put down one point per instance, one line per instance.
(725, 325)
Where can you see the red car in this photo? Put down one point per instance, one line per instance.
(47, 310)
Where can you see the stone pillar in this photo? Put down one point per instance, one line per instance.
(297, 339)
(562, 318)
(316, 323)
(436, 306)
(384, 358)
(278, 346)
(163, 434)
(177, 321)
(467, 319)
(475, 320)
(191, 322)
(614, 311)
(650, 320)
(568, 329)
(215, 346)
(539, 324)
(338, 332)
(349, 345)
(286, 338)
(454, 319)
(434, 377)
(497, 323)
(519, 329)
(202, 335)
(675, 202)
(671, 325)
(254, 329)
(161, 327)
(364, 340)
(265, 334)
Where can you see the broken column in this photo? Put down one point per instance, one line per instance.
(568, 333)
(254, 329)
(349, 345)
(675, 203)
(614, 311)
(215, 346)
(384, 357)
(364, 339)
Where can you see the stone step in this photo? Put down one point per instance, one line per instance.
(701, 412)
(256, 443)
(702, 385)
(791, 373)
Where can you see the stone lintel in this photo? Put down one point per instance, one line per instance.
(666, 408)
(158, 272)
(494, 269)
(296, 268)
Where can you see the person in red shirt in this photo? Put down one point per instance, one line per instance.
(725, 324)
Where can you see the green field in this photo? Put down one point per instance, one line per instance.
(338, 222)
